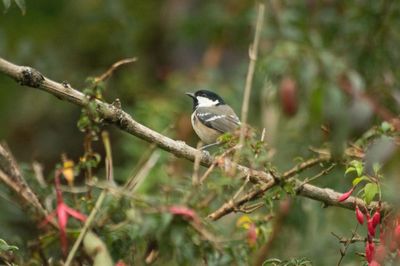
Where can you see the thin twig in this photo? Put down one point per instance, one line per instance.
(253, 52)
(142, 161)
(207, 236)
(108, 161)
(231, 206)
(208, 172)
(323, 172)
(240, 190)
(196, 166)
(144, 171)
(250, 208)
(38, 170)
(85, 228)
(217, 160)
(304, 165)
(114, 66)
(354, 239)
(346, 245)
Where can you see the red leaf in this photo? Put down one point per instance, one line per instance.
(359, 215)
(346, 195)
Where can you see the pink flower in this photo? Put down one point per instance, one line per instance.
(376, 218)
(346, 195)
(120, 263)
(369, 251)
(359, 216)
(184, 212)
(62, 211)
(397, 234)
(252, 235)
(371, 228)
(374, 263)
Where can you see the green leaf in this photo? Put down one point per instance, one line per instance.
(349, 170)
(289, 188)
(385, 126)
(83, 123)
(22, 6)
(5, 247)
(376, 167)
(355, 166)
(370, 191)
(359, 168)
(358, 180)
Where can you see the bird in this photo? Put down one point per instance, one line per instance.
(211, 116)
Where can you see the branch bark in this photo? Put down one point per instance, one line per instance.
(30, 77)
(12, 177)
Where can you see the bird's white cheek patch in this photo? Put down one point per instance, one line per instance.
(205, 102)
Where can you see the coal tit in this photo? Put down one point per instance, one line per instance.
(211, 117)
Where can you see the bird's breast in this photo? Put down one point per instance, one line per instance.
(206, 134)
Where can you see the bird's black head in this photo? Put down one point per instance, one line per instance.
(205, 98)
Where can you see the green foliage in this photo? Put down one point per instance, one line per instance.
(370, 187)
(291, 262)
(6, 247)
(326, 48)
(370, 191)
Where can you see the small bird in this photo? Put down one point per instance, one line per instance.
(211, 117)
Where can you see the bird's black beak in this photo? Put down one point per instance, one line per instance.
(190, 95)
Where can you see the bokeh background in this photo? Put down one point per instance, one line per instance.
(332, 63)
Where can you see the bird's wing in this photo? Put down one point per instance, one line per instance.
(221, 118)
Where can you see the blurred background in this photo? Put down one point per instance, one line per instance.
(330, 63)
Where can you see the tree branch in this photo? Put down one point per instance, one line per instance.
(30, 77)
(12, 177)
